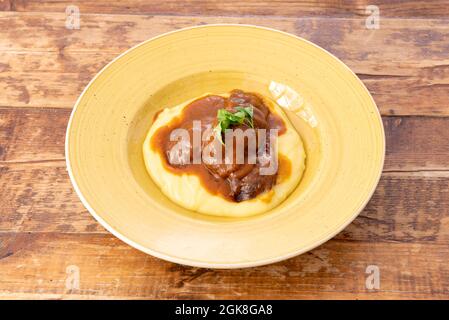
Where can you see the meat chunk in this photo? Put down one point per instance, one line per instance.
(245, 180)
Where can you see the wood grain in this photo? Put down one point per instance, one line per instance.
(327, 8)
(37, 135)
(37, 195)
(416, 143)
(404, 64)
(32, 135)
(34, 265)
(410, 204)
(44, 228)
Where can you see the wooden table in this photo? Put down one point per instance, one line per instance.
(47, 236)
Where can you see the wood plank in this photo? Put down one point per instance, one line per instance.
(328, 8)
(38, 197)
(36, 265)
(31, 134)
(51, 79)
(44, 228)
(404, 208)
(416, 143)
(404, 63)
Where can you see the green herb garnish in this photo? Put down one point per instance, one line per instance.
(243, 114)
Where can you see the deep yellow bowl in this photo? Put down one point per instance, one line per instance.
(339, 123)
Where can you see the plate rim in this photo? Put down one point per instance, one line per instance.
(196, 263)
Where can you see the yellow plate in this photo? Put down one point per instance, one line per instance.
(336, 117)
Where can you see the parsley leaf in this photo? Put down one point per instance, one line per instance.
(243, 114)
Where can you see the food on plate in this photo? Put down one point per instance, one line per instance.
(233, 154)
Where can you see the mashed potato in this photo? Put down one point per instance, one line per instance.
(187, 191)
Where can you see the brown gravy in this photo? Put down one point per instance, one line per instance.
(234, 182)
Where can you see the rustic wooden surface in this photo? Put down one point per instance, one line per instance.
(44, 229)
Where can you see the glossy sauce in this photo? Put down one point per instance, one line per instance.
(234, 182)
